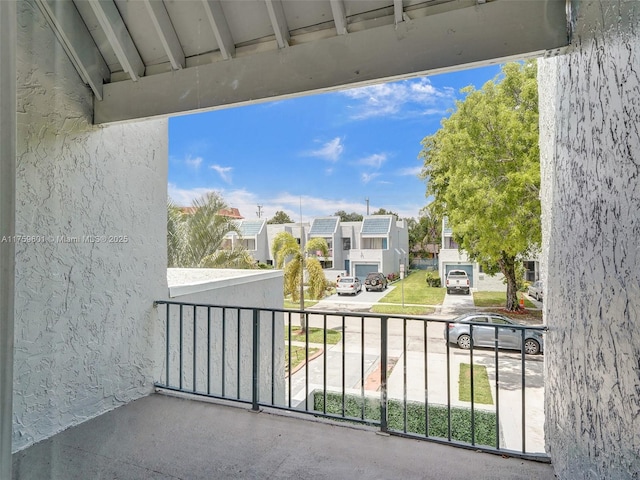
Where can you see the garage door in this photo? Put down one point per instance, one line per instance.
(363, 269)
(466, 268)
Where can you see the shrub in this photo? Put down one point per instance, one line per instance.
(484, 421)
(433, 279)
(392, 277)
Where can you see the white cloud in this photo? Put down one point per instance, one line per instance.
(404, 98)
(224, 172)
(247, 203)
(367, 177)
(374, 161)
(330, 151)
(410, 171)
(184, 197)
(193, 162)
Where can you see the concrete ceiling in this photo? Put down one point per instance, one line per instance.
(147, 58)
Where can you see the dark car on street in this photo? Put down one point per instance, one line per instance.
(375, 281)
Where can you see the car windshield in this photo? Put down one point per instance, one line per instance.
(457, 274)
(346, 280)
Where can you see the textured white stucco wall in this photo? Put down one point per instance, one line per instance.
(244, 288)
(590, 148)
(85, 325)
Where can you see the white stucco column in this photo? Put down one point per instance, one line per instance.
(7, 224)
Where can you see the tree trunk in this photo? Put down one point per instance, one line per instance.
(303, 316)
(508, 268)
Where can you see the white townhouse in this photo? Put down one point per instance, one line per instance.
(379, 243)
(453, 258)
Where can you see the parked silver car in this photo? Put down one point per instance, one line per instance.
(535, 290)
(349, 286)
(458, 332)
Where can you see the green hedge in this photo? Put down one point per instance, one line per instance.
(485, 422)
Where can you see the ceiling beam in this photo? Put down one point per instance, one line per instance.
(469, 37)
(74, 36)
(218, 21)
(118, 37)
(339, 16)
(166, 32)
(279, 22)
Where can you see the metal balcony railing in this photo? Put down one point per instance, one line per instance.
(401, 374)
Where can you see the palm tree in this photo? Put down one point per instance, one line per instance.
(197, 239)
(289, 254)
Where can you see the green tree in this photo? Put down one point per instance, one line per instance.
(483, 169)
(348, 217)
(279, 217)
(197, 238)
(382, 211)
(289, 254)
(424, 231)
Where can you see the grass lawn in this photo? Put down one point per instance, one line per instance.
(296, 305)
(485, 422)
(496, 299)
(398, 310)
(316, 335)
(481, 387)
(416, 291)
(297, 357)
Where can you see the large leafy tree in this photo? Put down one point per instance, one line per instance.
(288, 254)
(483, 169)
(196, 237)
(280, 217)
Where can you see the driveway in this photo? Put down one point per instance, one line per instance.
(363, 301)
(457, 303)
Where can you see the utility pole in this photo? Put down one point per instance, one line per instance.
(259, 212)
(367, 200)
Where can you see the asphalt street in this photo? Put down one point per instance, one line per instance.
(355, 363)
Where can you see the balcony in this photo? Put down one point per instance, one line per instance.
(164, 437)
(258, 413)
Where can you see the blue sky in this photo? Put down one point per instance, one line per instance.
(326, 152)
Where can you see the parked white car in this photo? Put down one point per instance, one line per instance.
(458, 281)
(535, 290)
(349, 286)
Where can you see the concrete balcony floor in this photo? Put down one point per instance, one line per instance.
(164, 437)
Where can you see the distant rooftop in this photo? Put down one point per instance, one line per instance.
(225, 212)
(230, 212)
(324, 227)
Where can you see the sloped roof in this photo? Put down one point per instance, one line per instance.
(378, 225)
(324, 227)
(251, 228)
(231, 213)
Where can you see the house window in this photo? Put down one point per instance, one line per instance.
(249, 243)
(374, 244)
(346, 244)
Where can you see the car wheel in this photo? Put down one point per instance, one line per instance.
(531, 347)
(448, 292)
(464, 342)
